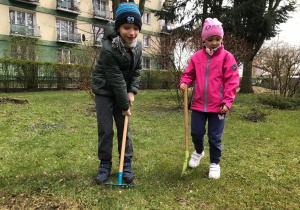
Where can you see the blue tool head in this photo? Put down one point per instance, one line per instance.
(125, 185)
(120, 181)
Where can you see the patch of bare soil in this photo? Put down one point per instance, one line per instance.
(36, 201)
(13, 100)
(260, 90)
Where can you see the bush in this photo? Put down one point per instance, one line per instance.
(155, 79)
(280, 102)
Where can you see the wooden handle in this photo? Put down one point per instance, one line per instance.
(123, 144)
(186, 118)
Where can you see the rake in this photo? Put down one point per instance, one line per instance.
(122, 157)
(186, 129)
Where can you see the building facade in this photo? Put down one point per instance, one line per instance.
(57, 25)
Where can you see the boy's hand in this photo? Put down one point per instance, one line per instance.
(127, 112)
(131, 98)
(182, 86)
(224, 108)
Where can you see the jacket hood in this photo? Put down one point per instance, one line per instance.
(110, 31)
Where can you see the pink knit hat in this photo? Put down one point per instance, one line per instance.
(212, 27)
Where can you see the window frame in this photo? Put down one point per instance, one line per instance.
(147, 18)
(98, 35)
(66, 53)
(147, 64)
(146, 40)
(32, 27)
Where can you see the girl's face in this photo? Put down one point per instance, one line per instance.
(213, 42)
(129, 32)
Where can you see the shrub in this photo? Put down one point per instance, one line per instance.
(155, 79)
(280, 102)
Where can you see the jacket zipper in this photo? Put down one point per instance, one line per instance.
(131, 66)
(206, 81)
(221, 92)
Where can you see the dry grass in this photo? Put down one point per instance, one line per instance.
(260, 90)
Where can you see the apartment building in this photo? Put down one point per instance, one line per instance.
(58, 24)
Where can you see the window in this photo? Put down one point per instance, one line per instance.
(164, 65)
(100, 5)
(66, 56)
(22, 23)
(147, 18)
(146, 63)
(66, 31)
(69, 4)
(23, 50)
(98, 34)
(146, 41)
(101, 9)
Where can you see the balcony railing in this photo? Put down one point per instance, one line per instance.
(21, 30)
(68, 6)
(35, 2)
(69, 38)
(98, 13)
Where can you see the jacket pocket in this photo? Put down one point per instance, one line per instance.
(101, 84)
(192, 96)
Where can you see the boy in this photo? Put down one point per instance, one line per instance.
(116, 80)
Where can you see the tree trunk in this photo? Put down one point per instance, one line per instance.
(115, 4)
(141, 7)
(246, 85)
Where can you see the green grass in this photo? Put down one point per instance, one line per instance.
(48, 157)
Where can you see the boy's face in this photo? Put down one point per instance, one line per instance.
(129, 32)
(213, 42)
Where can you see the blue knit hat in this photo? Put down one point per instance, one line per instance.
(128, 13)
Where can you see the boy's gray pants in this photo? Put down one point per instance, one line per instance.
(107, 109)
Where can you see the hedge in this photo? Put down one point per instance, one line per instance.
(34, 75)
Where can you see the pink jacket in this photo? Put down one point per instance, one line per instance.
(216, 80)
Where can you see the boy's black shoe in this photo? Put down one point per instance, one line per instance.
(104, 172)
(128, 176)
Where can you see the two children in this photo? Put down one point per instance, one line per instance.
(116, 78)
(216, 77)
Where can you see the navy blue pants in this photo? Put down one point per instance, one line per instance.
(216, 124)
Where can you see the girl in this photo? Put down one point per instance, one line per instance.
(116, 80)
(216, 80)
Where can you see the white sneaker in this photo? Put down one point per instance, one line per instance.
(214, 171)
(195, 159)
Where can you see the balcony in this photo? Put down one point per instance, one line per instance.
(101, 13)
(34, 2)
(21, 30)
(68, 6)
(71, 38)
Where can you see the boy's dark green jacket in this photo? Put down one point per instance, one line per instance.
(115, 75)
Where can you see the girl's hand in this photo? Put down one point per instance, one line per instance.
(127, 112)
(224, 108)
(182, 86)
(131, 98)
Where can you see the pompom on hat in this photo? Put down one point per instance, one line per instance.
(212, 26)
(128, 13)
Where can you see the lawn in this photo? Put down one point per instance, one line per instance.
(48, 156)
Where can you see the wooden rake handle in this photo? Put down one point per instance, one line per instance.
(123, 143)
(186, 118)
